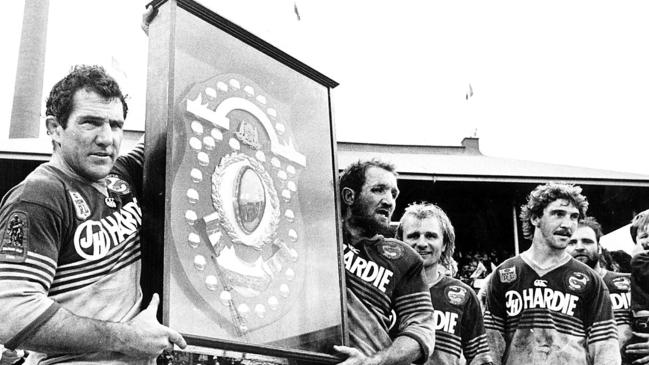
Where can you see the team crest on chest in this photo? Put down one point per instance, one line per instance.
(114, 183)
(390, 250)
(80, 206)
(577, 281)
(622, 283)
(14, 238)
(507, 275)
(456, 295)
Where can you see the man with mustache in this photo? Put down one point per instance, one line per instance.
(70, 239)
(459, 327)
(584, 246)
(543, 306)
(383, 275)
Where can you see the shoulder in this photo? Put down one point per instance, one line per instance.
(43, 186)
(396, 250)
(617, 281)
(457, 292)
(509, 271)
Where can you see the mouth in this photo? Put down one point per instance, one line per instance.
(102, 155)
(383, 212)
(563, 234)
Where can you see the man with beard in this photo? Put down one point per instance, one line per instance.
(543, 306)
(584, 246)
(459, 328)
(383, 275)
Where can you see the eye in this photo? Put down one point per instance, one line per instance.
(572, 242)
(116, 124)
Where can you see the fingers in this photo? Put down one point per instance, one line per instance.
(153, 304)
(147, 17)
(643, 360)
(177, 339)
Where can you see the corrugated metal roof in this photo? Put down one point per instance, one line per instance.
(466, 163)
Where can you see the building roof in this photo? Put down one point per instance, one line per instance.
(467, 163)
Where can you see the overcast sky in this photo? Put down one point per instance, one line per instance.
(554, 81)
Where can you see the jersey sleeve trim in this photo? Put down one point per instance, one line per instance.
(26, 332)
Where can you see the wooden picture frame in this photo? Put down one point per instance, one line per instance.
(240, 190)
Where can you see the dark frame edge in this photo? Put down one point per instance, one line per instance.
(251, 39)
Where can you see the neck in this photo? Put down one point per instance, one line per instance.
(544, 255)
(352, 232)
(599, 269)
(432, 274)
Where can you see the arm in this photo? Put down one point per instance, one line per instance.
(474, 338)
(494, 320)
(404, 350)
(602, 340)
(141, 337)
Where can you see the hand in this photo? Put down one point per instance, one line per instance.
(9, 357)
(145, 337)
(640, 348)
(147, 17)
(354, 356)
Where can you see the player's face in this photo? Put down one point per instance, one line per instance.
(91, 140)
(583, 246)
(642, 237)
(425, 236)
(374, 205)
(556, 225)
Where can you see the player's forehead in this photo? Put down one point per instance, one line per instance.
(412, 223)
(375, 175)
(585, 232)
(561, 204)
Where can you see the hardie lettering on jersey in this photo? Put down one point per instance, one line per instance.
(367, 271)
(540, 298)
(94, 239)
(80, 205)
(445, 321)
(621, 300)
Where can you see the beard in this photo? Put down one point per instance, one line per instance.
(589, 260)
(367, 223)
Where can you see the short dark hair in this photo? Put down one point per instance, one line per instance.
(545, 194)
(89, 77)
(639, 221)
(593, 224)
(353, 176)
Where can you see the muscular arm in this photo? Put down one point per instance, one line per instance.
(141, 337)
(496, 342)
(404, 350)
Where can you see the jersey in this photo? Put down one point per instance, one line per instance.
(66, 244)
(385, 275)
(459, 327)
(619, 288)
(560, 315)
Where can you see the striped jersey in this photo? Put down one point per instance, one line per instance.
(459, 328)
(619, 288)
(384, 275)
(66, 244)
(560, 315)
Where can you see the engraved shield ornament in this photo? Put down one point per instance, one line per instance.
(235, 218)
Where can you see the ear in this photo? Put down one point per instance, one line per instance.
(535, 220)
(54, 128)
(348, 196)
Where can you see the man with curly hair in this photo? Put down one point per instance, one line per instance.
(70, 239)
(543, 306)
(383, 275)
(459, 327)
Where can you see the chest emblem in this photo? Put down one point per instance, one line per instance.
(390, 250)
(456, 295)
(114, 183)
(622, 283)
(507, 275)
(80, 206)
(577, 281)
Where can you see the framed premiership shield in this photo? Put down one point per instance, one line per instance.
(240, 190)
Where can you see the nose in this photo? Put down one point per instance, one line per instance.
(104, 135)
(579, 246)
(388, 199)
(421, 243)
